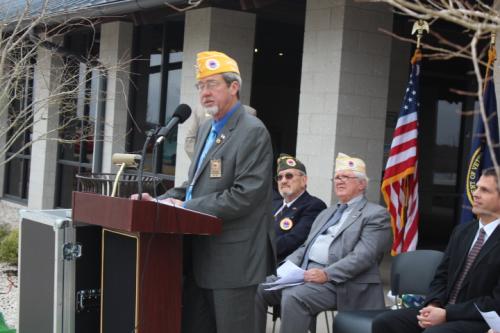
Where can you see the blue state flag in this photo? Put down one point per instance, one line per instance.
(479, 157)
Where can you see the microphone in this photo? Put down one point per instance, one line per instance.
(130, 160)
(125, 160)
(182, 112)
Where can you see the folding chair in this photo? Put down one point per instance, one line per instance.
(411, 273)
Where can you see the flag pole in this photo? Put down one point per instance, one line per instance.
(400, 181)
(419, 27)
(492, 56)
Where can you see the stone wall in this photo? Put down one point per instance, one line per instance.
(9, 213)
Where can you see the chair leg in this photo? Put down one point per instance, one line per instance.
(333, 318)
(312, 325)
(276, 314)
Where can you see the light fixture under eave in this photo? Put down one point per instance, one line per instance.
(255, 50)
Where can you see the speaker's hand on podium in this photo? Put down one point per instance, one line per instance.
(145, 197)
(167, 201)
(172, 202)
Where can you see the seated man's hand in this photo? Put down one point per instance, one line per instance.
(145, 197)
(431, 316)
(315, 275)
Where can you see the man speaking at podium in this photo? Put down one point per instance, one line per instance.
(230, 177)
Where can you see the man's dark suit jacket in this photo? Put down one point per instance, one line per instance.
(242, 254)
(482, 283)
(302, 214)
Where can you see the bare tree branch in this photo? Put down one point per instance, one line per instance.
(20, 111)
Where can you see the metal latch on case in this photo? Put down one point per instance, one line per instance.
(72, 251)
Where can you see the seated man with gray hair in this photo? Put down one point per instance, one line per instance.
(340, 257)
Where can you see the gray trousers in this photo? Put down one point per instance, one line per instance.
(299, 305)
(217, 310)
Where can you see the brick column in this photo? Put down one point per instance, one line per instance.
(46, 119)
(213, 29)
(115, 53)
(344, 88)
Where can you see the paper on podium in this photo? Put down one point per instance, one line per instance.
(289, 275)
(491, 318)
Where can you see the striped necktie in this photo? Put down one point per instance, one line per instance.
(468, 264)
(334, 220)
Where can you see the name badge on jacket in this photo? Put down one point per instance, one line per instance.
(216, 168)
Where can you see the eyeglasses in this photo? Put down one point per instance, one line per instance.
(209, 85)
(343, 178)
(287, 176)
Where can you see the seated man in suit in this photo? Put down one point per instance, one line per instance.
(340, 256)
(469, 274)
(295, 212)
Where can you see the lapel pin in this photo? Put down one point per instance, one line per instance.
(220, 139)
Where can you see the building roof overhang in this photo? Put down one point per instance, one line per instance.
(59, 10)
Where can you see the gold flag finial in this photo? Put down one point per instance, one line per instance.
(419, 27)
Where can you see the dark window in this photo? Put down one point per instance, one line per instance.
(20, 121)
(441, 147)
(276, 76)
(156, 89)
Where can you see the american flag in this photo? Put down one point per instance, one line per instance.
(400, 183)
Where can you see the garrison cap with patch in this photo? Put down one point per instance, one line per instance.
(286, 161)
(346, 162)
(212, 62)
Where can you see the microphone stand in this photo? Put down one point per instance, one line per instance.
(140, 171)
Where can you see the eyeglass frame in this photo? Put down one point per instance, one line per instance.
(210, 85)
(343, 178)
(287, 176)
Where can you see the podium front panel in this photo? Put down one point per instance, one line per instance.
(120, 277)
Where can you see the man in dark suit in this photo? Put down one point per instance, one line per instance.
(469, 274)
(295, 212)
(230, 177)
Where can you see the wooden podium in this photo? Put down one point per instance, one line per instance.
(141, 266)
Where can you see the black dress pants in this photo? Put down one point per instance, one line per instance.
(405, 321)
